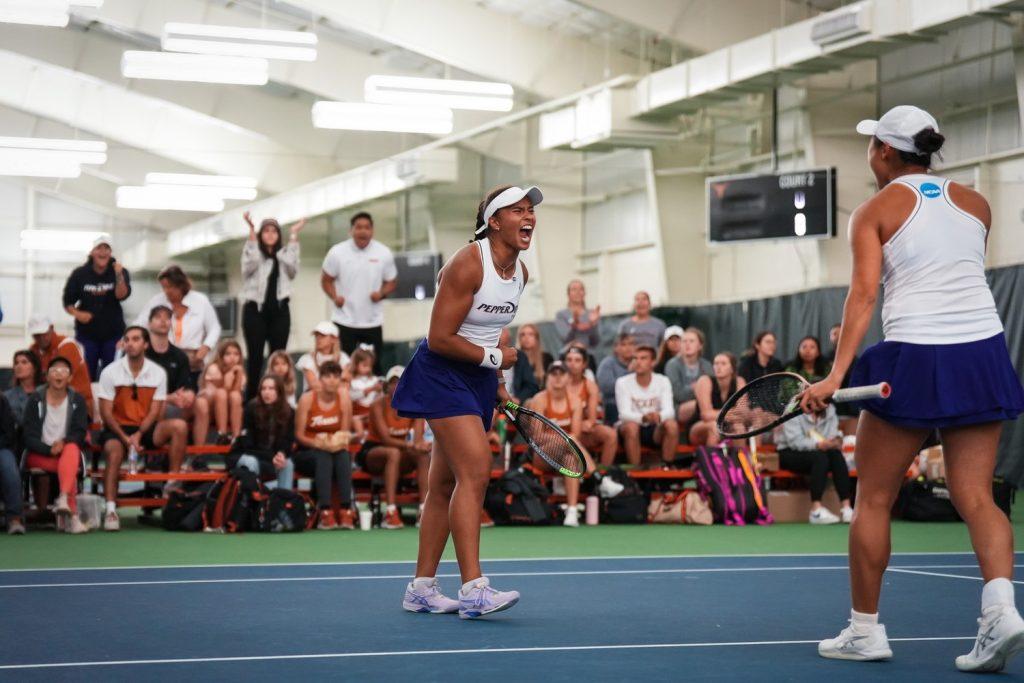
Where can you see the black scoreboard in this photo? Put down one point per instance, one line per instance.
(797, 204)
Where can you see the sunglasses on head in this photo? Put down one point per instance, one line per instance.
(135, 391)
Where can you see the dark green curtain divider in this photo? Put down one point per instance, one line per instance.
(732, 326)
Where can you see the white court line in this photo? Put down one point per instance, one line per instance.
(408, 653)
(590, 558)
(908, 570)
(378, 577)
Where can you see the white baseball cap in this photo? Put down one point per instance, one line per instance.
(898, 126)
(508, 198)
(39, 324)
(673, 331)
(325, 328)
(102, 238)
(394, 372)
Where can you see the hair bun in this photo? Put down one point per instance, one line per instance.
(929, 141)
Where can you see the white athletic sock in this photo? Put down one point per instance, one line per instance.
(862, 622)
(469, 585)
(111, 506)
(997, 592)
(421, 582)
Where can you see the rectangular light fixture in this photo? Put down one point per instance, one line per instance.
(168, 198)
(48, 157)
(225, 187)
(171, 66)
(58, 240)
(438, 92)
(36, 12)
(382, 117)
(239, 41)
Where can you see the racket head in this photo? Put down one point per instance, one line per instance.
(761, 405)
(547, 440)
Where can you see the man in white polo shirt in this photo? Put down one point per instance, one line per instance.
(357, 275)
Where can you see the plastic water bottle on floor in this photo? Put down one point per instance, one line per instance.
(133, 461)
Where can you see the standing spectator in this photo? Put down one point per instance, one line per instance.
(194, 325)
(49, 345)
(266, 439)
(712, 393)
(325, 348)
(532, 361)
(28, 374)
(811, 445)
(671, 346)
(93, 295)
(56, 423)
(645, 328)
(646, 416)
(576, 323)
(280, 364)
(10, 475)
(684, 370)
(221, 393)
(594, 436)
(760, 359)
(610, 370)
(132, 393)
(808, 361)
(323, 427)
(268, 268)
(181, 394)
(357, 274)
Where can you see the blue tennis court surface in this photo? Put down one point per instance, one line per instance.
(604, 619)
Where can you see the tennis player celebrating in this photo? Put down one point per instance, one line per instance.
(946, 358)
(453, 381)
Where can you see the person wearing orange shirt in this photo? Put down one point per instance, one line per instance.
(48, 345)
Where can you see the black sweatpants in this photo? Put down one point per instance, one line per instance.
(352, 337)
(261, 328)
(816, 465)
(326, 469)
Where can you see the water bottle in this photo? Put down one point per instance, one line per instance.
(592, 510)
(133, 460)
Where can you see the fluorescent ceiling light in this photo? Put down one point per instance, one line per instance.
(37, 12)
(58, 240)
(225, 187)
(170, 66)
(92, 4)
(51, 158)
(382, 117)
(168, 198)
(239, 41)
(38, 168)
(54, 144)
(439, 92)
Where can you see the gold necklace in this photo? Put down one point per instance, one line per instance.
(497, 265)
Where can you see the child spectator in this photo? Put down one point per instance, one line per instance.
(684, 370)
(712, 394)
(325, 348)
(28, 375)
(811, 445)
(671, 346)
(10, 475)
(610, 370)
(646, 417)
(531, 361)
(594, 436)
(760, 360)
(365, 388)
(645, 328)
(808, 361)
(221, 392)
(280, 364)
(265, 443)
(181, 395)
(49, 345)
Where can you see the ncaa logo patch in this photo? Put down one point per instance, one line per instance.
(931, 190)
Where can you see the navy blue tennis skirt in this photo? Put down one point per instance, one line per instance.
(942, 385)
(434, 386)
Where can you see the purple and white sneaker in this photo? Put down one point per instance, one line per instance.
(428, 599)
(482, 599)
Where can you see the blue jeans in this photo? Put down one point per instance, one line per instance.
(97, 350)
(10, 483)
(285, 475)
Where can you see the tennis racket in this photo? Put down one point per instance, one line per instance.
(547, 440)
(770, 400)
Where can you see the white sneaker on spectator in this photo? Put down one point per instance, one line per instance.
(609, 488)
(859, 643)
(111, 522)
(572, 517)
(15, 528)
(847, 514)
(75, 526)
(1000, 637)
(60, 506)
(823, 516)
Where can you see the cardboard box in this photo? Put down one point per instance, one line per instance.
(795, 505)
(769, 461)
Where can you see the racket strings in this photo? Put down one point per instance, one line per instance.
(760, 404)
(548, 443)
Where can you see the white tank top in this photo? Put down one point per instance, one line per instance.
(933, 272)
(494, 304)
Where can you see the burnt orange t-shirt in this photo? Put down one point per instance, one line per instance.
(132, 395)
(398, 427)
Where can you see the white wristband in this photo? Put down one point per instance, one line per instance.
(492, 358)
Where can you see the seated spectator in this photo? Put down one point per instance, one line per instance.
(811, 445)
(10, 475)
(712, 393)
(49, 345)
(265, 444)
(56, 424)
(594, 436)
(671, 346)
(181, 395)
(222, 394)
(684, 370)
(325, 347)
(28, 375)
(280, 364)
(645, 328)
(576, 324)
(323, 427)
(364, 388)
(808, 361)
(760, 360)
(394, 446)
(555, 403)
(646, 417)
(613, 367)
(132, 392)
(531, 361)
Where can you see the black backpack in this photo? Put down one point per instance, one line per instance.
(518, 498)
(630, 506)
(233, 504)
(921, 500)
(184, 509)
(282, 511)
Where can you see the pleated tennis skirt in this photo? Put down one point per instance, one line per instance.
(942, 385)
(434, 386)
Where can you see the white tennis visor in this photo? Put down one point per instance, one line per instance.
(898, 126)
(508, 198)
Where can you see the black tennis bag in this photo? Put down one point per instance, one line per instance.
(629, 507)
(283, 511)
(921, 500)
(518, 498)
(184, 509)
(233, 504)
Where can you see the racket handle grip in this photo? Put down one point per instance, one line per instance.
(880, 390)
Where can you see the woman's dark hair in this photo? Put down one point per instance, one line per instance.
(820, 363)
(582, 352)
(272, 419)
(330, 367)
(269, 224)
(33, 359)
(175, 277)
(733, 361)
(488, 198)
(929, 141)
(758, 338)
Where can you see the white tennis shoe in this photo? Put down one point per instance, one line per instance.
(858, 643)
(428, 598)
(1000, 637)
(823, 516)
